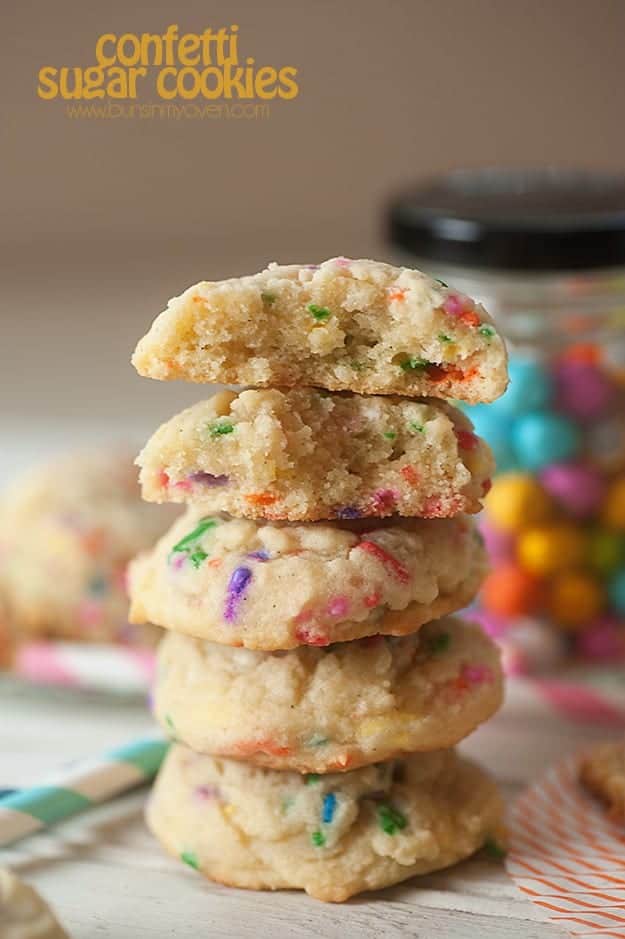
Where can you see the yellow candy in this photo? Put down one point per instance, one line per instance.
(575, 599)
(613, 511)
(550, 549)
(517, 501)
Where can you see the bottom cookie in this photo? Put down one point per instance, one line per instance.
(602, 772)
(333, 836)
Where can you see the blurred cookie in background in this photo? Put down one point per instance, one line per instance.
(602, 772)
(67, 532)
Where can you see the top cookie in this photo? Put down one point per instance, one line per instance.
(344, 325)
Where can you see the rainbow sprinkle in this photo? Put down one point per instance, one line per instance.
(320, 313)
(206, 793)
(328, 808)
(209, 479)
(220, 428)
(237, 585)
(348, 511)
(311, 778)
(390, 819)
(318, 839)
(389, 562)
(413, 364)
(190, 858)
(189, 545)
(338, 606)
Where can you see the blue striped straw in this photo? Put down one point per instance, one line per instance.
(79, 786)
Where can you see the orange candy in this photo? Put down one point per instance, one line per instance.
(510, 591)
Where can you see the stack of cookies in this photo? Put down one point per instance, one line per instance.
(311, 675)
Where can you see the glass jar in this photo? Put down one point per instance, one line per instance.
(544, 251)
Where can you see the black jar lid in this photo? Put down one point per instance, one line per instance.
(540, 220)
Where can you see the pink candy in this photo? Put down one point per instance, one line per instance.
(603, 641)
(499, 544)
(582, 390)
(579, 489)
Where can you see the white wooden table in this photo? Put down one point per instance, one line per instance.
(108, 879)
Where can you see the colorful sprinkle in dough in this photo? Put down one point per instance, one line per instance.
(318, 839)
(328, 808)
(190, 858)
(348, 511)
(390, 819)
(237, 586)
(209, 479)
(389, 562)
(320, 313)
(413, 364)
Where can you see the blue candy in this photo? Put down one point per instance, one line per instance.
(541, 438)
(616, 591)
(529, 390)
(495, 429)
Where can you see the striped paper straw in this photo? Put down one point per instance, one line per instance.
(78, 787)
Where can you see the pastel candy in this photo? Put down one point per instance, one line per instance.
(548, 549)
(613, 512)
(575, 599)
(541, 438)
(616, 590)
(510, 591)
(606, 550)
(530, 388)
(498, 543)
(604, 640)
(516, 501)
(495, 429)
(582, 390)
(577, 488)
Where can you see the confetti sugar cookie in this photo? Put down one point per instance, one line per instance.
(361, 326)
(602, 772)
(67, 532)
(271, 585)
(332, 836)
(305, 455)
(323, 710)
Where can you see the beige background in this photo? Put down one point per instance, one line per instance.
(104, 220)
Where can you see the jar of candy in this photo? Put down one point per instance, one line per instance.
(545, 252)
